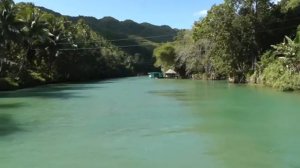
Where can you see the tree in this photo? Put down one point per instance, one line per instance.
(8, 32)
(234, 28)
(288, 5)
(218, 27)
(8, 23)
(165, 56)
(193, 56)
(34, 31)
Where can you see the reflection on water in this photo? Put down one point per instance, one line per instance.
(248, 127)
(143, 123)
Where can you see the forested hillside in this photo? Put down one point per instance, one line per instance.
(243, 41)
(142, 38)
(37, 47)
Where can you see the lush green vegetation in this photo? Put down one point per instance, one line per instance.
(37, 47)
(165, 56)
(144, 37)
(238, 39)
(280, 67)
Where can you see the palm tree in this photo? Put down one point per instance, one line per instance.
(34, 32)
(60, 37)
(8, 23)
(9, 31)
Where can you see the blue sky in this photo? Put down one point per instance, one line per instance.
(175, 13)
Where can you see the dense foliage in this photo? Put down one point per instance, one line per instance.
(165, 56)
(142, 38)
(231, 40)
(37, 47)
(280, 67)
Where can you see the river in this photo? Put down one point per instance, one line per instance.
(144, 123)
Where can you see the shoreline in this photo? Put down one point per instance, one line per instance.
(60, 83)
(116, 78)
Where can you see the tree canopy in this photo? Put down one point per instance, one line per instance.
(165, 56)
(38, 47)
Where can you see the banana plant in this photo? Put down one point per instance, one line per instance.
(289, 51)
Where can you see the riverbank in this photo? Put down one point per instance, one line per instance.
(278, 77)
(7, 84)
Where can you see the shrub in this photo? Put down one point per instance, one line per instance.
(277, 75)
(8, 84)
(31, 78)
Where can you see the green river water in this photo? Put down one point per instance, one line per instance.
(144, 123)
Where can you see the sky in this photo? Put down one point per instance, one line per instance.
(176, 13)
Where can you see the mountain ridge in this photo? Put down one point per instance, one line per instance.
(111, 20)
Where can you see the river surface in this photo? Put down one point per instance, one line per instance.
(144, 123)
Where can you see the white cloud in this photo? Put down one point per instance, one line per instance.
(202, 13)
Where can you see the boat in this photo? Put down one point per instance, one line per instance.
(155, 75)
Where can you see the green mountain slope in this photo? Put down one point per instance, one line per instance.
(135, 39)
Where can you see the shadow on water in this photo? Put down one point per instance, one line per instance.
(169, 93)
(63, 91)
(11, 105)
(179, 95)
(7, 125)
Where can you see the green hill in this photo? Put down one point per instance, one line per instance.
(137, 39)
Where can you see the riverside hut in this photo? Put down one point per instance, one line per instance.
(171, 74)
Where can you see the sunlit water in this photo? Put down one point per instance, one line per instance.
(144, 123)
